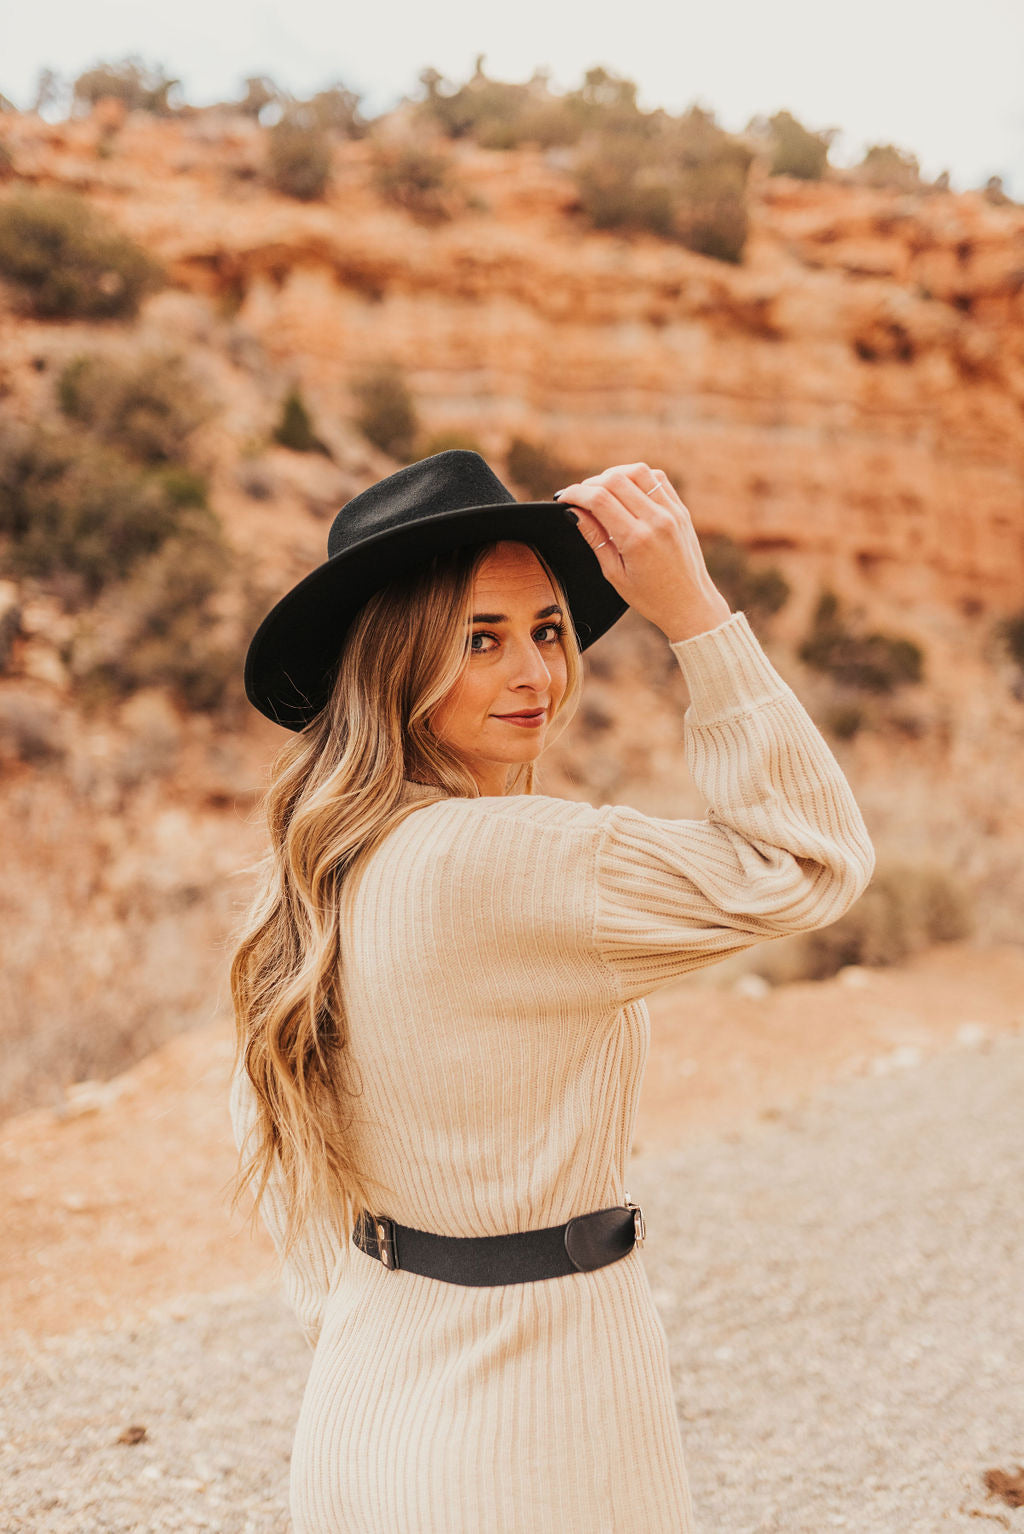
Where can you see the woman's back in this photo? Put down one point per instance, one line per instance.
(495, 955)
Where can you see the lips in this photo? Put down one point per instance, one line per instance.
(524, 713)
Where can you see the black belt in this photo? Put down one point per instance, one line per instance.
(583, 1243)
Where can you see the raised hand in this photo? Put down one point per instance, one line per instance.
(644, 540)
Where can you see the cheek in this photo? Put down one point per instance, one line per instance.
(462, 706)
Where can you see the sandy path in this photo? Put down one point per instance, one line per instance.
(840, 1283)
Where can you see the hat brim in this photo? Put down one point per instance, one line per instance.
(292, 655)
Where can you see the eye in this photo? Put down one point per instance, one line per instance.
(556, 629)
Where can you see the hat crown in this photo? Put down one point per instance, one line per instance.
(448, 481)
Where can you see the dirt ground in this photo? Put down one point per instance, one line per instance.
(117, 1202)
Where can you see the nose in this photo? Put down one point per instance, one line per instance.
(527, 667)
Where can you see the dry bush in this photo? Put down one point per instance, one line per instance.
(418, 180)
(162, 628)
(142, 87)
(336, 108)
(795, 150)
(149, 405)
(71, 505)
(876, 662)
(386, 411)
(31, 729)
(299, 159)
(885, 165)
(906, 908)
(760, 590)
(69, 261)
(683, 179)
(499, 114)
(539, 470)
(295, 430)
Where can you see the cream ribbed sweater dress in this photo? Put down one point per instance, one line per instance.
(495, 969)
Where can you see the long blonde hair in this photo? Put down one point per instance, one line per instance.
(335, 791)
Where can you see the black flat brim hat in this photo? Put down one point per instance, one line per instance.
(449, 501)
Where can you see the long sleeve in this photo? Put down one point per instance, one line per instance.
(314, 1260)
(783, 847)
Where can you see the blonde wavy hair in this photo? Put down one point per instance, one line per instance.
(334, 794)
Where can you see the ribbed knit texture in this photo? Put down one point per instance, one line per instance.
(495, 965)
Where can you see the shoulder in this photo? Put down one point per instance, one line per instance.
(544, 812)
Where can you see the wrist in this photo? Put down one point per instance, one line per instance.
(696, 620)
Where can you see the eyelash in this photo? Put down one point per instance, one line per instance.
(558, 627)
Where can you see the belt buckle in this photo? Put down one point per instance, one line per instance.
(639, 1226)
(387, 1246)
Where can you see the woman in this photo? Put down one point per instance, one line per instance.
(439, 995)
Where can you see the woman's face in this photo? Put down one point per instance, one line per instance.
(516, 663)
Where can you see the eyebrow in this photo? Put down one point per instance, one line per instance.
(545, 612)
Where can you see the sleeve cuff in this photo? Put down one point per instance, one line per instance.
(727, 672)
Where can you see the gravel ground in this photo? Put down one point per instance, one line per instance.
(842, 1289)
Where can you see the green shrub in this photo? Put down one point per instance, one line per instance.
(907, 907)
(299, 159)
(416, 179)
(148, 406)
(386, 411)
(875, 662)
(759, 591)
(295, 428)
(68, 504)
(539, 470)
(69, 262)
(795, 150)
(140, 86)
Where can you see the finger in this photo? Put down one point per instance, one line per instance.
(602, 511)
(641, 475)
(635, 485)
(667, 488)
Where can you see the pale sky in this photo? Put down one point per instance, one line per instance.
(944, 82)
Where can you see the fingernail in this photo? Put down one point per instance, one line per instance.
(574, 516)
